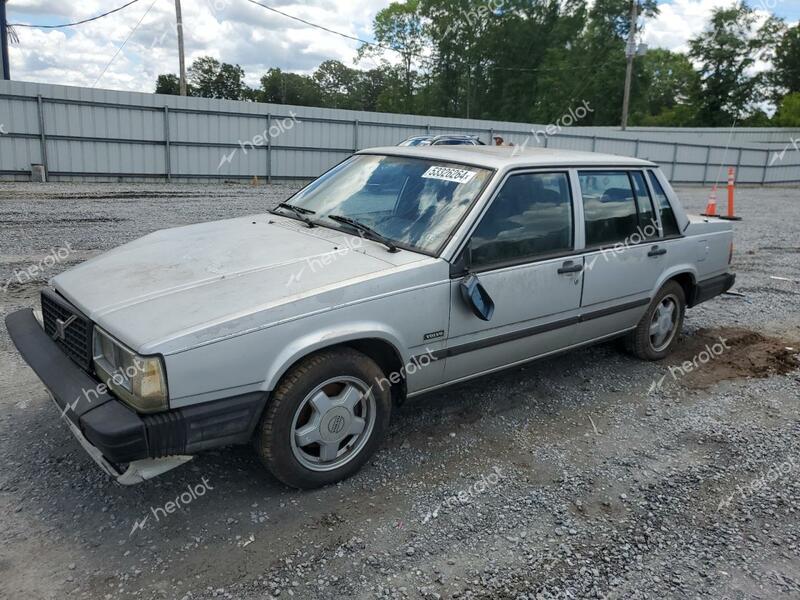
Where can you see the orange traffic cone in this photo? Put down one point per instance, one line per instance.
(711, 207)
(731, 216)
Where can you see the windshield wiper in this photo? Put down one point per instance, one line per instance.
(366, 229)
(299, 212)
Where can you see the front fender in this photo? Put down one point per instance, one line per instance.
(319, 339)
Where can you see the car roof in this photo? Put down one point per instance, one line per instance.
(499, 157)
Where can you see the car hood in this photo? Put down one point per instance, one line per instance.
(177, 281)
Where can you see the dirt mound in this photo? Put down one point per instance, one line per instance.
(713, 355)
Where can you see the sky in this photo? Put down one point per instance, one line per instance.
(237, 31)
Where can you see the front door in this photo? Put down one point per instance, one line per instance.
(520, 250)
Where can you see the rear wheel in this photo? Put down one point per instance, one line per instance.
(657, 332)
(325, 419)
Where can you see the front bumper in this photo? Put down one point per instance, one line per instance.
(128, 446)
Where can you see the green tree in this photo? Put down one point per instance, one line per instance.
(168, 84)
(337, 83)
(279, 87)
(399, 27)
(212, 79)
(787, 62)
(669, 80)
(788, 114)
(726, 53)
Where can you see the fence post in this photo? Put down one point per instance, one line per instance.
(674, 161)
(269, 149)
(594, 143)
(705, 167)
(167, 158)
(738, 162)
(355, 135)
(428, 128)
(636, 150)
(42, 137)
(766, 163)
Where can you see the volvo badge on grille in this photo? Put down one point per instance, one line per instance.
(61, 327)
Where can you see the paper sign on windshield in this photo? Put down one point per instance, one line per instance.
(449, 174)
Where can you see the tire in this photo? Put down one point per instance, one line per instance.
(642, 343)
(308, 435)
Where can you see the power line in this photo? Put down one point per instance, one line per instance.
(415, 55)
(322, 27)
(135, 27)
(111, 12)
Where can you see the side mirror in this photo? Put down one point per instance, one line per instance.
(477, 298)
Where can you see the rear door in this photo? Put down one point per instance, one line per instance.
(624, 257)
(521, 250)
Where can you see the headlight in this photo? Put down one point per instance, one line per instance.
(140, 381)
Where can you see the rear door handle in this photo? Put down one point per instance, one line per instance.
(656, 251)
(570, 267)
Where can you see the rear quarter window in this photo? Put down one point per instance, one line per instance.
(668, 221)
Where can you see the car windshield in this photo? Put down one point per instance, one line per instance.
(418, 141)
(416, 203)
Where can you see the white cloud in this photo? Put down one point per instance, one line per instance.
(232, 31)
(680, 21)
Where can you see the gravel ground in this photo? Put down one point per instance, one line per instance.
(590, 475)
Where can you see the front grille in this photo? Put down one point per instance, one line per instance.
(77, 338)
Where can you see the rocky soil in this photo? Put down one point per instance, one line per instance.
(590, 475)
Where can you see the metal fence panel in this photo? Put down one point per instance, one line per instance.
(82, 133)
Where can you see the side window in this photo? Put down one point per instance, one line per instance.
(668, 221)
(530, 216)
(609, 207)
(648, 224)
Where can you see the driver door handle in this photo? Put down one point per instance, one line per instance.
(570, 267)
(656, 251)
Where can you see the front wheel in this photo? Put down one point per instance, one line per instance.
(325, 419)
(656, 334)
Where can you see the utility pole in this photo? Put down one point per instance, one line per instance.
(5, 70)
(630, 52)
(181, 58)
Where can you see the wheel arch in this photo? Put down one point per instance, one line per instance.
(379, 345)
(685, 276)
